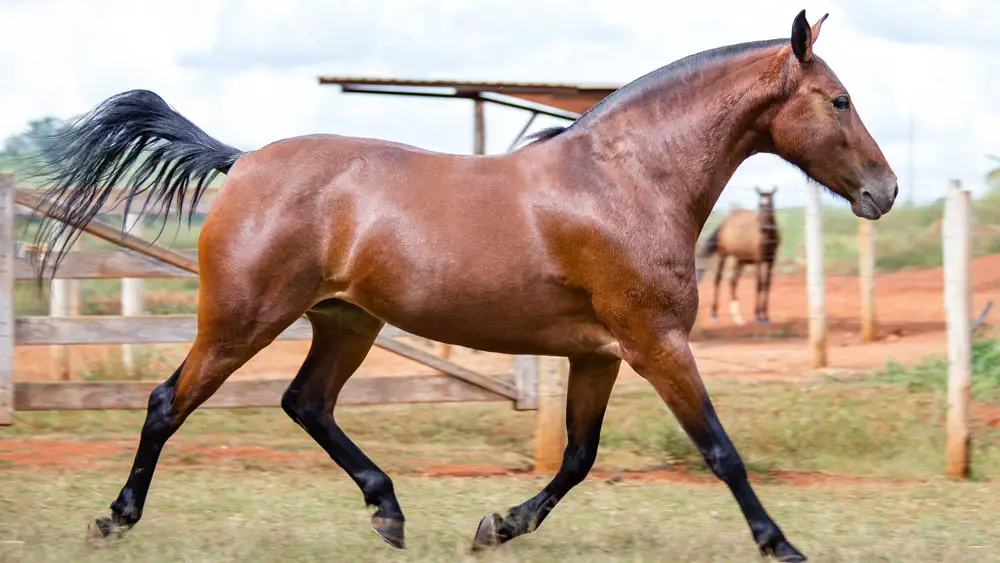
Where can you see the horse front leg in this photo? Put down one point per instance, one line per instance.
(760, 316)
(666, 361)
(767, 291)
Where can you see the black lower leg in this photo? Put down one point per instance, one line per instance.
(758, 299)
(578, 458)
(342, 336)
(160, 424)
(375, 485)
(724, 461)
(590, 384)
(767, 291)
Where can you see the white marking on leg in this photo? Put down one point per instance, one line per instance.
(734, 310)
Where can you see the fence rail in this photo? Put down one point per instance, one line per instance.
(238, 393)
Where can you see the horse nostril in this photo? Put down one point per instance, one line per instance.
(895, 191)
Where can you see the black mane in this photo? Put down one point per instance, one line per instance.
(658, 77)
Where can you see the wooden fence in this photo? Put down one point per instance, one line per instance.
(141, 259)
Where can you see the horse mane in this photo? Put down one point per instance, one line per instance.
(661, 77)
(544, 134)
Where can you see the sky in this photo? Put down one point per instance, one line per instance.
(246, 70)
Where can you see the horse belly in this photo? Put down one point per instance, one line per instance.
(494, 315)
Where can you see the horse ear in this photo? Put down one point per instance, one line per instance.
(816, 27)
(774, 189)
(757, 189)
(802, 38)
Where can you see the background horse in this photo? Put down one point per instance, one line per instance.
(580, 244)
(750, 237)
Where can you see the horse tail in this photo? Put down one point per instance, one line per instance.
(711, 244)
(104, 148)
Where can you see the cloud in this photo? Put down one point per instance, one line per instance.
(451, 36)
(962, 23)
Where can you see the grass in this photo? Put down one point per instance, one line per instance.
(931, 374)
(200, 515)
(204, 507)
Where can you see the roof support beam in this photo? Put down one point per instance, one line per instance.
(524, 130)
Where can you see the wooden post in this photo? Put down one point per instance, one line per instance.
(814, 277)
(957, 269)
(64, 301)
(131, 303)
(59, 298)
(866, 276)
(526, 382)
(6, 299)
(550, 422)
(479, 140)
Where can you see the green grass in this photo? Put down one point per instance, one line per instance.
(931, 374)
(225, 515)
(206, 508)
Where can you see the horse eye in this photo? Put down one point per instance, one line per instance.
(841, 102)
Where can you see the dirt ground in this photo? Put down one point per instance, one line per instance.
(909, 306)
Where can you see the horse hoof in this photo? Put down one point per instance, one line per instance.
(713, 319)
(103, 531)
(486, 533)
(783, 551)
(390, 530)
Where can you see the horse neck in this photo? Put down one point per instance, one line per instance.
(686, 137)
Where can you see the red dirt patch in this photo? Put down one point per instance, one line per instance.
(989, 414)
(468, 470)
(46, 454)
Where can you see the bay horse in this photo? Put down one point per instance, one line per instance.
(751, 238)
(579, 244)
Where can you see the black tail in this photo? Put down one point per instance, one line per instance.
(104, 149)
(711, 245)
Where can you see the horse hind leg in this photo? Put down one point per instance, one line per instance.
(759, 313)
(588, 389)
(232, 329)
(342, 336)
(719, 267)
